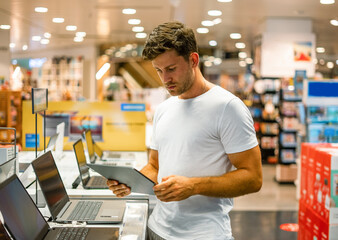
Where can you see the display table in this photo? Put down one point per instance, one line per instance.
(135, 217)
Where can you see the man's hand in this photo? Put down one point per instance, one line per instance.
(120, 190)
(174, 188)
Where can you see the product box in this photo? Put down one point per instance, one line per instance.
(7, 153)
(286, 173)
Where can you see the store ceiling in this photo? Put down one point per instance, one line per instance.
(103, 21)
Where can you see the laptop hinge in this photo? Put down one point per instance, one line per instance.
(63, 210)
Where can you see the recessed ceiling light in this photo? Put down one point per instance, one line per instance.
(71, 28)
(217, 61)
(207, 63)
(240, 45)
(41, 9)
(327, 1)
(242, 55)
(36, 38)
(81, 34)
(321, 61)
(24, 47)
(224, 0)
(5, 27)
(141, 35)
(249, 61)
(320, 50)
(235, 35)
(330, 65)
(217, 21)
(58, 20)
(214, 13)
(212, 43)
(208, 23)
(134, 21)
(47, 35)
(138, 29)
(12, 45)
(44, 41)
(337, 61)
(334, 22)
(202, 30)
(242, 63)
(78, 39)
(128, 11)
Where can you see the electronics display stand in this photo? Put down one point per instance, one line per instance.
(39, 105)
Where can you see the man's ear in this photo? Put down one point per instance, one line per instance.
(194, 59)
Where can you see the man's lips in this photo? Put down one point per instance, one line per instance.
(170, 87)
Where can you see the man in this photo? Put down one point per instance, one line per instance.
(204, 147)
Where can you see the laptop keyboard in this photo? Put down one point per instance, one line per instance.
(85, 210)
(77, 233)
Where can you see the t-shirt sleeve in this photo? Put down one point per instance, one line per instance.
(236, 128)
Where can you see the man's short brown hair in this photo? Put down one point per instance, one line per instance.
(167, 36)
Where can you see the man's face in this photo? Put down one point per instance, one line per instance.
(175, 72)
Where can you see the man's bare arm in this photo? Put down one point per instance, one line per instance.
(247, 178)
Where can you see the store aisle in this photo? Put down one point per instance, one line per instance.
(259, 215)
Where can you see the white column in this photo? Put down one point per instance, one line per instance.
(5, 56)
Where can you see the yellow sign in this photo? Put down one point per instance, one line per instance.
(115, 126)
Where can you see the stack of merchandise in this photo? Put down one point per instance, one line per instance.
(318, 205)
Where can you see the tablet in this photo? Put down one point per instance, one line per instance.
(127, 175)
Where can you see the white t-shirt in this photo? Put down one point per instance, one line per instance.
(193, 138)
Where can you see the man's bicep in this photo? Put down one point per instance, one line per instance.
(249, 160)
(153, 158)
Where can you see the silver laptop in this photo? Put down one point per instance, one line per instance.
(23, 219)
(96, 153)
(88, 181)
(64, 209)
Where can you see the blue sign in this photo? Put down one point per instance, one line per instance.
(133, 107)
(30, 140)
(323, 89)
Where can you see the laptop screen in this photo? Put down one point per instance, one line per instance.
(50, 182)
(90, 145)
(22, 218)
(81, 160)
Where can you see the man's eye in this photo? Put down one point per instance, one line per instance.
(171, 69)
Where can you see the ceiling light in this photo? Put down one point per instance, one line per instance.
(235, 36)
(36, 38)
(242, 55)
(334, 22)
(212, 43)
(321, 61)
(240, 45)
(44, 41)
(81, 34)
(24, 47)
(249, 61)
(337, 61)
(5, 27)
(207, 23)
(330, 65)
(202, 30)
(134, 21)
(315, 61)
(327, 1)
(224, 0)
(58, 20)
(242, 63)
(12, 45)
(320, 50)
(41, 9)
(47, 35)
(207, 63)
(141, 35)
(78, 39)
(128, 11)
(217, 61)
(138, 29)
(217, 21)
(214, 13)
(71, 28)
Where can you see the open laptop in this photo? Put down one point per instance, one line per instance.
(88, 181)
(120, 158)
(62, 208)
(23, 219)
